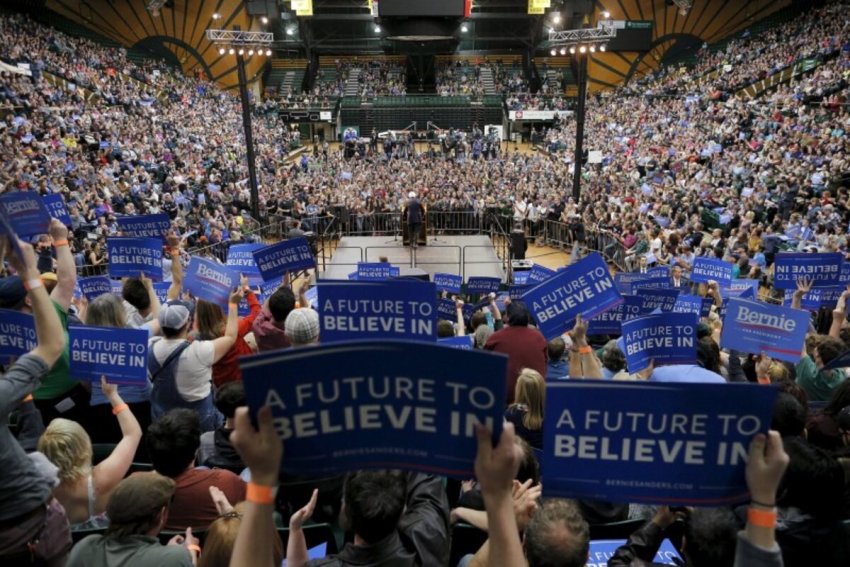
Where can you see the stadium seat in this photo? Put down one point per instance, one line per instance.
(101, 451)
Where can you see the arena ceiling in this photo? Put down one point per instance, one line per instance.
(348, 27)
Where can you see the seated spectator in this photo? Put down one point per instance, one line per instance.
(215, 450)
(222, 534)
(212, 325)
(707, 369)
(789, 416)
(268, 327)
(85, 490)
(556, 367)
(33, 525)
(173, 442)
(526, 413)
(818, 382)
(302, 327)
(613, 362)
(138, 511)
(181, 371)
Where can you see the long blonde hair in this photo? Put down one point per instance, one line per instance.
(67, 445)
(530, 392)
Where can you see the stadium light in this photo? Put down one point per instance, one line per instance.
(290, 31)
(602, 48)
(572, 50)
(582, 49)
(606, 15)
(268, 52)
(593, 49)
(232, 51)
(556, 17)
(377, 28)
(554, 52)
(221, 51)
(563, 51)
(216, 16)
(464, 28)
(264, 19)
(250, 53)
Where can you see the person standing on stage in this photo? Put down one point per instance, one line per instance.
(414, 217)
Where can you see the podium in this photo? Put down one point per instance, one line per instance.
(422, 237)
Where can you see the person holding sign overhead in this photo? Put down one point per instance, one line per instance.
(181, 371)
(33, 525)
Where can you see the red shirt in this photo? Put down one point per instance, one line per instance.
(525, 347)
(192, 505)
(227, 369)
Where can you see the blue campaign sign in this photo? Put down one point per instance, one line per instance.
(145, 226)
(119, 354)
(540, 274)
(842, 361)
(25, 212)
(376, 271)
(210, 281)
(448, 282)
(95, 286)
(609, 322)
(17, 333)
(652, 299)
(584, 288)
(462, 343)
(815, 298)
(627, 441)
(700, 306)
(128, 257)
(285, 256)
(665, 338)
(740, 288)
(706, 269)
(752, 326)
(395, 309)
(446, 309)
(520, 277)
(659, 272)
(378, 404)
(653, 282)
(482, 285)
(824, 269)
(517, 291)
(55, 205)
(628, 282)
(161, 290)
(352, 276)
(312, 295)
(240, 257)
(601, 550)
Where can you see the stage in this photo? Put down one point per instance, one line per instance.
(469, 256)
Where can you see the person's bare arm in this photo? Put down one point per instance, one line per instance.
(154, 299)
(261, 451)
(231, 330)
(839, 315)
(461, 327)
(765, 466)
(176, 267)
(51, 343)
(296, 547)
(583, 360)
(109, 472)
(804, 285)
(66, 269)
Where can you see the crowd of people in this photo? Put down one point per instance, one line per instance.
(682, 175)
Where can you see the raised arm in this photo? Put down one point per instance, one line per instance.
(582, 358)
(176, 267)
(66, 269)
(226, 342)
(108, 473)
(296, 547)
(461, 327)
(804, 285)
(839, 315)
(261, 451)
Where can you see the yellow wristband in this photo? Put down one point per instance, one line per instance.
(259, 494)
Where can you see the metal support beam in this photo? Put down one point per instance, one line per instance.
(238, 37)
(605, 31)
(249, 138)
(580, 115)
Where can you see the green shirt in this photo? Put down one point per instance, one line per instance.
(818, 384)
(58, 381)
(135, 551)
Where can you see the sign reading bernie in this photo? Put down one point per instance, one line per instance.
(378, 405)
(128, 257)
(584, 288)
(25, 213)
(210, 281)
(681, 444)
(397, 309)
(754, 327)
(823, 269)
(119, 354)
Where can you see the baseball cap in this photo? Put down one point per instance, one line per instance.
(412, 194)
(12, 292)
(138, 497)
(302, 325)
(173, 316)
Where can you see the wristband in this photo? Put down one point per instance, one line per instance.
(259, 494)
(194, 547)
(33, 284)
(585, 349)
(58, 243)
(761, 518)
(119, 408)
(27, 399)
(763, 379)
